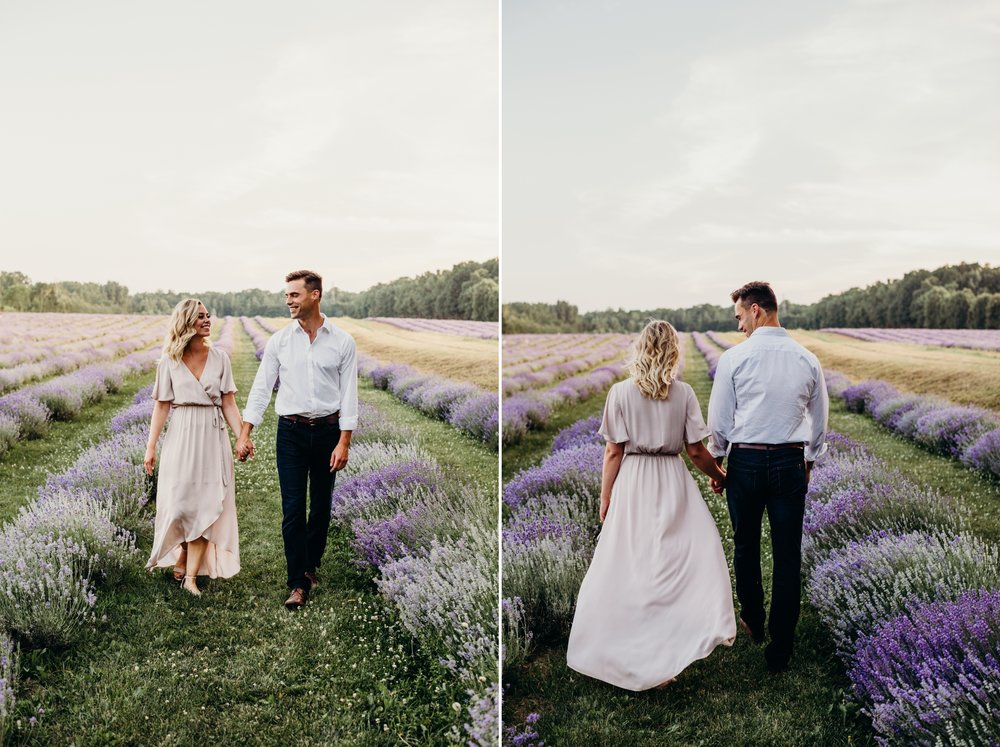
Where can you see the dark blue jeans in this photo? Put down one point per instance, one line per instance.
(772, 481)
(303, 454)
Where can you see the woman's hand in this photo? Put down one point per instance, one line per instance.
(605, 505)
(150, 460)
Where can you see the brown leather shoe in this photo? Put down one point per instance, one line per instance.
(313, 581)
(297, 598)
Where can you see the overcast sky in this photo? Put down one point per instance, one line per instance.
(662, 153)
(218, 145)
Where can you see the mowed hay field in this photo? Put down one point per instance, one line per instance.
(453, 357)
(968, 377)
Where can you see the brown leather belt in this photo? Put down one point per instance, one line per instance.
(767, 447)
(312, 421)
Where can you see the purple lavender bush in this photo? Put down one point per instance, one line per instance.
(571, 470)
(952, 430)
(931, 675)
(870, 580)
(484, 716)
(9, 669)
(9, 431)
(578, 434)
(82, 519)
(45, 590)
(31, 416)
(446, 597)
(984, 454)
(112, 473)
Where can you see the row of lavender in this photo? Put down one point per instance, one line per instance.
(25, 414)
(968, 433)
(547, 543)
(911, 600)
(523, 412)
(27, 337)
(430, 541)
(58, 361)
(965, 432)
(461, 327)
(973, 339)
(464, 406)
(78, 535)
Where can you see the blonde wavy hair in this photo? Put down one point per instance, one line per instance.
(655, 358)
(181, 329)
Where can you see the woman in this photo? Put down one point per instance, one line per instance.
(657, 595)
(195, 530)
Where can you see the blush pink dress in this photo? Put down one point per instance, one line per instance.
(657, 595)
(195, 488)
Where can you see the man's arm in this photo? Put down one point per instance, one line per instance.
(258, 399)
(818, 410)
(348, 405)
(721, 409)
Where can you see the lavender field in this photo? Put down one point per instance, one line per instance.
(406, 609)
(973, 339)
(901, 629)
(459, 327)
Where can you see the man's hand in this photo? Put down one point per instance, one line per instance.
(245, 448)
(716, 486)
(338, 459)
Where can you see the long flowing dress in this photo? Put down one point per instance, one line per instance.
(657, 595)
(195, 489)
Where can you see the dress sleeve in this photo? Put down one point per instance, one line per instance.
(163, 388)
(695, 429)
(613, 422)
(228, 384)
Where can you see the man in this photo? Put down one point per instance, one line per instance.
(317, 406)
(769, 410)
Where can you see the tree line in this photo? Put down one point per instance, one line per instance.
(469, 290)
(963, 296)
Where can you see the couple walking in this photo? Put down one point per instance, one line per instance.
(317, 403)
(657, 596)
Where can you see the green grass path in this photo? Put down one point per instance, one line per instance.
(159, 667)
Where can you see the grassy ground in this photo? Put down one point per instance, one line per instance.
(234, 667)
(728, 698)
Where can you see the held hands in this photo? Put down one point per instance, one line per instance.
(245, 448)
(717, 485)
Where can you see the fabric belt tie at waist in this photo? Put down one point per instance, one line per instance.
(653, 453)
(218, 421)
(767, 447)
(335, 417)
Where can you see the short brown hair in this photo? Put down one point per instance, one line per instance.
(313, 280)
(756, 292)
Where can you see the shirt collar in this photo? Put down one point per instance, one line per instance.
(770, 332)
(326, 326)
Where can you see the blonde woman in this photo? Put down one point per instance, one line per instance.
(195, 529)
(657, 596)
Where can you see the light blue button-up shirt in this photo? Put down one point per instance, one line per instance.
(317, 378)
(768, 390)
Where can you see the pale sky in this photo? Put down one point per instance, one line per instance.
(218, 145)
(662, 153)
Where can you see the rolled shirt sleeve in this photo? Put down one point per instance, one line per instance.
(721, 408)
(349, 386)
(263, 385)
(818, 409)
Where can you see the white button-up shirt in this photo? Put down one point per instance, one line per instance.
(768, 390)
(317, 378)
